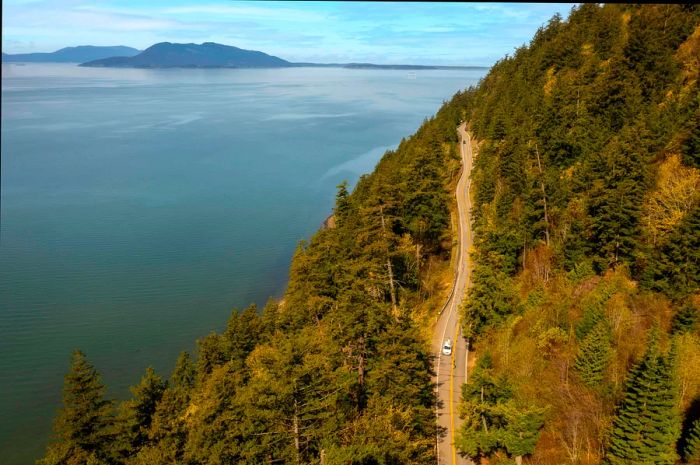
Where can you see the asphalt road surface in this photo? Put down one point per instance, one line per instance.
(451, 370)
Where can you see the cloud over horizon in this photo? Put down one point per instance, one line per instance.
(385, 33)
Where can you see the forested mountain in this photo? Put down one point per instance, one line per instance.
(585, 298)
(583, 311)
(206, 55)
(213, 55)
(79, 54)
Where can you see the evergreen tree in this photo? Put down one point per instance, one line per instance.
(691, 453)
(647, 424)
(691, 146)
(523, 429)
(489, 300)
(593, 355)
(685, 320)
(242, 334)
(493, 419)
(133, 422)
(82, 425)
(674, 268)
(269, 320)
(293, 397)
(615, 201)
(168, 433)
(214, 429)
(400, 375)
(183, 375)
(211, 352)
(342, 202)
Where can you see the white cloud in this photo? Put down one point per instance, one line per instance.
(303, 31)
(249, 12)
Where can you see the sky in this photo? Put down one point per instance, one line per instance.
(325, 32)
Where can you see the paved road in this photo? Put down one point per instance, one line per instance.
(452, 370)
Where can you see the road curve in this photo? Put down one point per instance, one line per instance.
(451, 371)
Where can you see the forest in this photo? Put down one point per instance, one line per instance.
(583, 311)
(583, 308)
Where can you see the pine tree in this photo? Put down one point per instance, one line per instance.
(82, 425)
(647, 424)
(593, 355)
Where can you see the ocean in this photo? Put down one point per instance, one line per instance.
(140, 207)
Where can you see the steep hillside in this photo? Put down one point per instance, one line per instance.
(585, 298)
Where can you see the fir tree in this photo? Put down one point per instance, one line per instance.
(342, 202)
(242, 334)
(675, 267)
(183, 375)
(691, 453)
(685, 320)
(168, 432)
(691, 146)
(135, 416)
(493, 419)
(614, 204)
(647, 424)
(593, 355)
(82, 425)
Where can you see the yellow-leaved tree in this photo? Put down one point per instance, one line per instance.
(677, 191)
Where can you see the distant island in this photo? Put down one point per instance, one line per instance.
(79, 54)
(172, 55)
(206, 55)
(213, 55)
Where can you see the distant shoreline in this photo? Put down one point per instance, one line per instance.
(206, 55)
(292, 65)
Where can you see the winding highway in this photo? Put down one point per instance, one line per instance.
(451, 370)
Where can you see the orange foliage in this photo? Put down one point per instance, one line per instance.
(677, 192)
(537, 266)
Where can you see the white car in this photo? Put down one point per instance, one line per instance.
(447, 347)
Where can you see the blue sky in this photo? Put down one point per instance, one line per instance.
(416, 33)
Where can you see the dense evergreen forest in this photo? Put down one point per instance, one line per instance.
(583, 310)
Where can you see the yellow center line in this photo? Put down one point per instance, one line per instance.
(452, 393)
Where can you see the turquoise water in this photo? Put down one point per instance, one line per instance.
(139, 207)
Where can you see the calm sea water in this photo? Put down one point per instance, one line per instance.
(139, 207)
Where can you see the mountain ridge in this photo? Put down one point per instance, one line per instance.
(206, 55)
(77, 54)
(215, 55)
